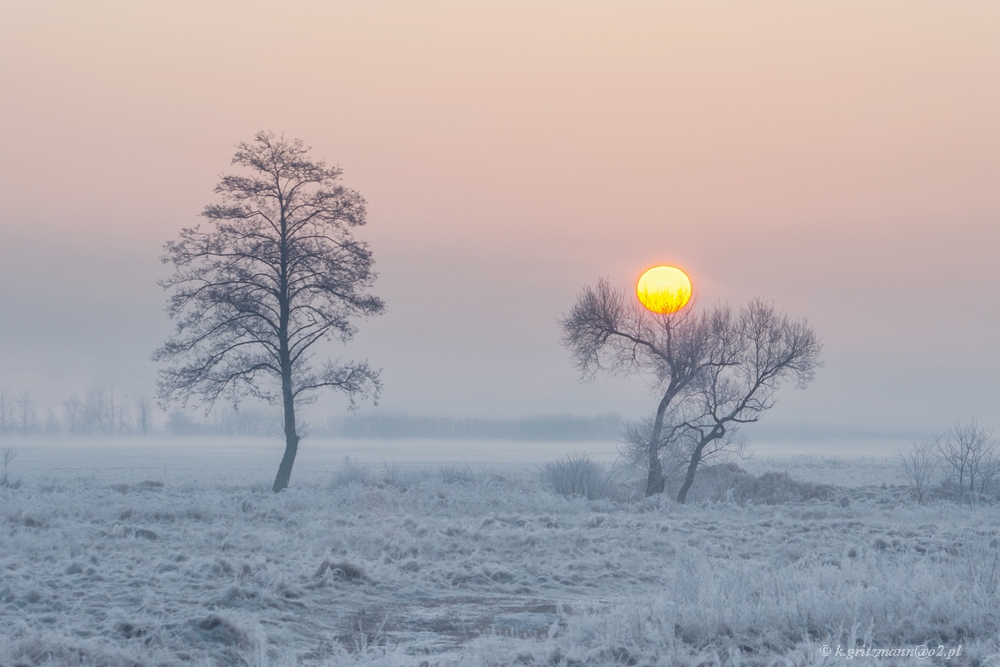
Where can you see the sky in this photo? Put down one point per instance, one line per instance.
(841, 159)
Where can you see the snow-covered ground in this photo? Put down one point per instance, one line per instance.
(176, 553)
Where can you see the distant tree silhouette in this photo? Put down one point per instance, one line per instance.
(6, 411)
(277, 272)
(968, 450)
(143, 413)
(920, 466)
(25, 412)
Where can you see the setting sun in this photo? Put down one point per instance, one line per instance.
(664, 289)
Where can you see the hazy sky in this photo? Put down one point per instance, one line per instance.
(840, 158)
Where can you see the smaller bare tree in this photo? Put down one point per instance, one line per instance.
(99, 410)
(25, 412)
(920, 466)
(712, 370)
(73, 416)
(52, 425)
(608, 331)
(143, 409)
(6, 411)
(968, 451)
(122, 422)
(7, 455)
(989, 471)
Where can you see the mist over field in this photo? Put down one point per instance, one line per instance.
(499, 334)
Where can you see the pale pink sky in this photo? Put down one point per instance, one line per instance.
(841, 158)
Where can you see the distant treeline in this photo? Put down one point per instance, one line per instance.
(101, 411)
(561, 427)
(107, 411)
(250, 423)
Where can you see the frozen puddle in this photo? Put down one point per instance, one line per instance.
(444, 624)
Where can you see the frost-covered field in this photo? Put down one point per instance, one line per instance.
(151, 562)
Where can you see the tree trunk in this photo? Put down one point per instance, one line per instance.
(654, 480)
(715, 434)
(291, 437)
(285, 361)
(285, 468)
(689, 477)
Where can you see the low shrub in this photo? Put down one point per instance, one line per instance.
(774, 488)
(352, 472)
(579, 475)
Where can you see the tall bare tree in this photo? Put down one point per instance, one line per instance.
(277, 272)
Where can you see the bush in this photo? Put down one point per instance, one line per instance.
(581, 476)
(351, 472)
(455, 474)
(727, 482)
(774, 488)
(713, 483)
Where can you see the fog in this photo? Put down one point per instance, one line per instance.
(840, 160)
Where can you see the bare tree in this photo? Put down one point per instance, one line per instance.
(920, 466)
(754, 353)
(25, 412)
(52, 425)
(143, 410)
(716, 370)
(278, 272)
(607, 332)
(73, 415)
(122, 415)
(969, 451)
(6, 411)
(99, 410)
(989, 470)
(7, 455)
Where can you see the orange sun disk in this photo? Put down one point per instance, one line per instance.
(664, 289)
